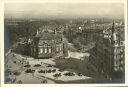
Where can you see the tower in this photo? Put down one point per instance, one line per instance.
(113, 35)
(115, 56)
(113, 62)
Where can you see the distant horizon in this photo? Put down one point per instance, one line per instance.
(64, 10)
(83, 18)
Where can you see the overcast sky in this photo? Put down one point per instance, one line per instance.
(64, 10)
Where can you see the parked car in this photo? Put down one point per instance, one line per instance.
(79, 74)
(69, 74)
(44, 81)
(41, 71)
(37, 65)
(16, 73)
(27, 65)
(30, 71)
(49, 71)
(54, 70)
(57, 75)
(49, 65)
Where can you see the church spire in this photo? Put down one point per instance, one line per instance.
(113, 36)
(113, 27)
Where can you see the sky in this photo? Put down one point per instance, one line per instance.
(63, 10)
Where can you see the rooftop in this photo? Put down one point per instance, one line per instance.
(49, 35)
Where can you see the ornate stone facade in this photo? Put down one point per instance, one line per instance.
(49, 44)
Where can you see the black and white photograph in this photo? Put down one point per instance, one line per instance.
(64, 43)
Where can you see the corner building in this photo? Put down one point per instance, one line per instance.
(108, 54)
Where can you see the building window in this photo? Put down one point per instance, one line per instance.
(116, 63)
(115, 68)
(121, 43)
(121, 68)
(41, 50)
(115, 58)
(115, 50)
(34, 49)
(122, 62)
(57, 49)
(121, 50)
(122, 56)
(118, 68)
(61, 52)
(50, 50)
(45, 50)
(60, 48)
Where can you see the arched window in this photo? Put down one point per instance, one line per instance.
(41, 50)
(57, 48)
(60, 48)
(50, 50)
(45, 50)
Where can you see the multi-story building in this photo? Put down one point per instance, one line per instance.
(108, 54)
(48, 44)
